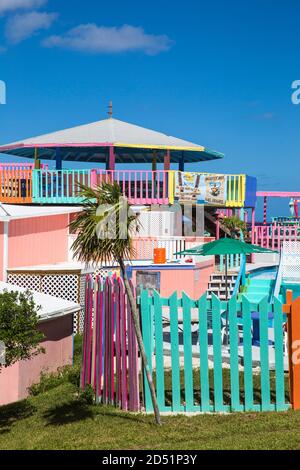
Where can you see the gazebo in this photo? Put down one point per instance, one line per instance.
(110, 141)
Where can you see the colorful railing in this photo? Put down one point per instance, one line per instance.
(140, 187)
(205, 348)
(272, 236)
(59, 187)
(16, 186)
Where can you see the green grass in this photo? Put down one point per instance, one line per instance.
(56, 418)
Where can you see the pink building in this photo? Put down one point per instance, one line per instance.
(191, 278)
(32, 235)
(56, 322)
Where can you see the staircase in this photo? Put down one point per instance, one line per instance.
(258, 289)
(217, 285)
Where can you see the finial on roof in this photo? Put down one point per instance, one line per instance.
(110, 109)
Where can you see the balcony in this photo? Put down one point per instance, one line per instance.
(21, 184)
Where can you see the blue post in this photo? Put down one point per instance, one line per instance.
(181, 162)
(58, 159)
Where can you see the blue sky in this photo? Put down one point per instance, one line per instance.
(217, 73)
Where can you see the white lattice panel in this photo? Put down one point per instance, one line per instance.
(32, 282)
(291, 261)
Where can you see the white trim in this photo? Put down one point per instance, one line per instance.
(36, 212)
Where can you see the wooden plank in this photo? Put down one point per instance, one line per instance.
(264, 355)
(279, 358)
(159, 352)
(203, 345)
(247, 344)
(187, 351)
(217, 351)
(234, 359)
(146, 329)
(176, 396)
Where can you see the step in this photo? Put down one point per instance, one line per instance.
(255, 298)
(259, 288)
(261, 282)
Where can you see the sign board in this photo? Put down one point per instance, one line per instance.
(200, 189)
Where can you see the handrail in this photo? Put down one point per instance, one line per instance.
(278, 278)
(241, 276)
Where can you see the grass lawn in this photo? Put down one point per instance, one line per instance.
(56, 419)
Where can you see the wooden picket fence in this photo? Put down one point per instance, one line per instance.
(211, 318)
(185, 342)
(110, 354)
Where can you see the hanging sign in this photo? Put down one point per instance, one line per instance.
(200, 189)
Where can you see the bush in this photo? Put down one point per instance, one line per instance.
(87, 395)
(49, 381)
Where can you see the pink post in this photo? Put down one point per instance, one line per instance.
(253, 231)
(265, 209)
(218, 228)
(93, 178)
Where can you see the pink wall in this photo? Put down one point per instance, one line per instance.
(193, 282)
(40, 240)
(15, 380)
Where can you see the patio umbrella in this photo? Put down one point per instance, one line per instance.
(225, 246)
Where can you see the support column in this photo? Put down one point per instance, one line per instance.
(265, 209)
(112, 159)
(181, 162)
(5, 251)
(167, 161)
(58, 159)
(154, 161)
(37, 163)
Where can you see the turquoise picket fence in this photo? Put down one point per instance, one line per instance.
(195, 331)
(58, 187)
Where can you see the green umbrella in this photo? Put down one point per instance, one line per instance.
(225, 246)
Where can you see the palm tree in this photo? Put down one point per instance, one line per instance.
(104, 233)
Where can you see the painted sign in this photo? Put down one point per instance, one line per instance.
(200, 189)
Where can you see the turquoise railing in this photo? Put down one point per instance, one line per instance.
(241, 279)
(200, 391)
(59, 187)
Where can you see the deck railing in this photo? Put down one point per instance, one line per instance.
(16, 186)
(140, 187)
(272, 236)
(59, 187)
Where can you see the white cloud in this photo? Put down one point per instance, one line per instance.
(100, 40)
(10, 5)
(23, 26)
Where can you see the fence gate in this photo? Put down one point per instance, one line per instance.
(193, 333)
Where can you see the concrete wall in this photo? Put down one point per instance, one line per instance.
(58, 343)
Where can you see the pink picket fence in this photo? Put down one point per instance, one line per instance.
(272, 236)
(140, 187)
(110, 353)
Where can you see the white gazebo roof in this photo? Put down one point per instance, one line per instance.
(89, 142)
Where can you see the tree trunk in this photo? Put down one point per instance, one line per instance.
(136, 322)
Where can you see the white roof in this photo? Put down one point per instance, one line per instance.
(51, 307)
(11, 212)
(108, 131)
